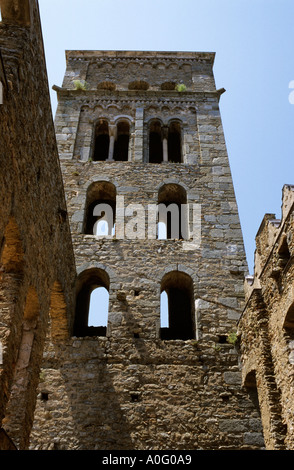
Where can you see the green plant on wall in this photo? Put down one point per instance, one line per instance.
(232, 338)
(80, 85)
(181, 87)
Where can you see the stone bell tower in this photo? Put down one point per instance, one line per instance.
(153, 216)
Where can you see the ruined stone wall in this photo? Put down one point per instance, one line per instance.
(266, 325)
(130, 389)
(35, 246)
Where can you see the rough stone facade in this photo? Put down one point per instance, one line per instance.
(129, 138)
(266, 326)
(37, 270)
(126, 385)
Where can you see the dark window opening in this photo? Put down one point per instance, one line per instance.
(179, 307)
(106, 86)
(92, 303)
(135, 397)
(100, 209)
(171, 86)
(283, 252)
(101, 148)
(172, 212)
(222, 339)
(251, 387)
(138, 85)
(44, 396)
(174, 143)
(155, 143)
(121, 146)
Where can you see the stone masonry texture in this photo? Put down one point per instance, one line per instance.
(266, 326)
(133, 130)
(36, 254)
(129, 388)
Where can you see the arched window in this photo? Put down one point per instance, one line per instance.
(101, 148)
(121, 146)
(251, 387)
(92, 303)
(100, 209)
(174, 142)
(172, 212)
(106, 85)
(171, 86)
(155, 142)
(283, 252)
(177, 306)
(139, 85)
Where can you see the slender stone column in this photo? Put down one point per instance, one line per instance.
(112, 137)
(165, 143)
(139, 135)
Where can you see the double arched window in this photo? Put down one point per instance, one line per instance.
(111, 142)
(165, 142)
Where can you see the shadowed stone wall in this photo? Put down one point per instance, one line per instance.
(266, 326)
(35, 243)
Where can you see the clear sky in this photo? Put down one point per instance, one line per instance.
(254, 45)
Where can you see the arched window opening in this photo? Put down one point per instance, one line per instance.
(251, 387)
(100, 209)
(101, 148)
(92, 303)
(155, 143)
(177, 307)
(138, 85)
(121, 146)
(174, 143)
(170, 86)
(283, 252)
(107, 85)
(172, 212)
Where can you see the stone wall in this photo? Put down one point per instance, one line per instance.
(266, 325)
(35, 244)
(129, 388)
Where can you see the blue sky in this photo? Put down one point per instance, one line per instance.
(254, 45)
